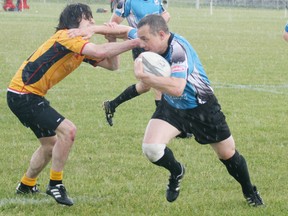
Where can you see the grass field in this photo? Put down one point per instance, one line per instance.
(245, 58)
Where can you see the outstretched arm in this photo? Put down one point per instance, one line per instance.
(118, 31)
(109, 51)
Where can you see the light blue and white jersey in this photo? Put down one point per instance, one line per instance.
(286, 27)
(135, 10)
(186, 64)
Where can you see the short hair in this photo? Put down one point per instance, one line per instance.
(72, 15)
(155, 22)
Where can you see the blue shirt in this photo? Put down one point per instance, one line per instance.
(135, 10)
(286, 27)
(186, 64)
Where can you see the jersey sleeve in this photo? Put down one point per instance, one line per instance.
(286, 27)
(132, 34)
(92, 61)
(161, 9)
(76, 44)
(179, 62)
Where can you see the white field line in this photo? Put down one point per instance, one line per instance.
(30, 200)
(24, 201)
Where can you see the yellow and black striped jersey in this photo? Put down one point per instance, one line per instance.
(49, 64)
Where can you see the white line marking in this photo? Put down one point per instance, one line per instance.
(24, 201)
(38, 199)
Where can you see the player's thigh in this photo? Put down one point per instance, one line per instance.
(159, 131)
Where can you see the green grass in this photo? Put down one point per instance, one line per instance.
(245, 58)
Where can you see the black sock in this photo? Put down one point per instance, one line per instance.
(126, 95)
(237, 168)
(169, 162)
(55, 182)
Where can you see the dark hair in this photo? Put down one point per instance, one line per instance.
(155, 22)
(72, 15)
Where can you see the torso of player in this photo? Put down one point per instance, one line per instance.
(185, 64)
(49, 64)
(135, 10)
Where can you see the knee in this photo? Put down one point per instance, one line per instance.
(67, 132)
(153, 151)
(72, 132)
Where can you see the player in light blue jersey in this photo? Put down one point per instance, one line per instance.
(188, 105)
(133, 11)
(285, 33)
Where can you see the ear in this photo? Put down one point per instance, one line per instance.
(162, 35)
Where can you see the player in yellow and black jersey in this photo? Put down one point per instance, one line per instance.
(49, 64)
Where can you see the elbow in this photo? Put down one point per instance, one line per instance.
(178, 88)
(114, 67)
(177, 92)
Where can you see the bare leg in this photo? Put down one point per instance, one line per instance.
(41, 157)
(66, 132)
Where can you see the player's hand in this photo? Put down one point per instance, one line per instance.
(85, 33)
(139, 69)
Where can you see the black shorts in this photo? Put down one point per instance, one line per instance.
(35, 112)
(206, 122)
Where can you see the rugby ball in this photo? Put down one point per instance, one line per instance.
(155, 64)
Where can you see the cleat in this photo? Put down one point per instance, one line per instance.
(109, 112)
(173, 188)
(254, 199)
(59, 193)
(23, 189)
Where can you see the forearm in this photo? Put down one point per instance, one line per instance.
(120, 31)
(169, 85)
(109, 50)
(115, 48)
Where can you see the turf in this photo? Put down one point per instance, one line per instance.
(245, 58)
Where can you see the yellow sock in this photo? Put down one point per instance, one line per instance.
(56, 176)
(28, 181)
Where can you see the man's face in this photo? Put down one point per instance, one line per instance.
(151, 42)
